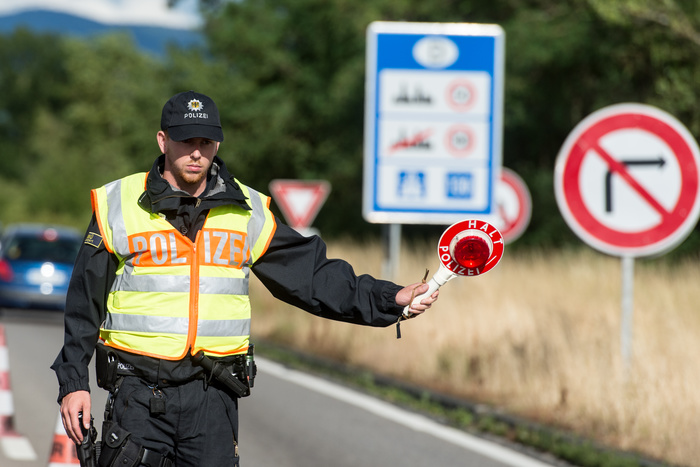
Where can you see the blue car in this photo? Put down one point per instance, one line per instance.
(36, 263)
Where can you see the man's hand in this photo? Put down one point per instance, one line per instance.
(405, 297)
(71, 405)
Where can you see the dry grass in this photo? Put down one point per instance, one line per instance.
(539, 336)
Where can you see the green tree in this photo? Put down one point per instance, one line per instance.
(106, 128)
(82, 113)
(295, 94)
(32, 78)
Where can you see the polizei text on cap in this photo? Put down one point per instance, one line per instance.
(196, 115)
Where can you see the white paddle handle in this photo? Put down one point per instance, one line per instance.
(439, 279)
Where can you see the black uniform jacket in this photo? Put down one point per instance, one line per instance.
(294, 269)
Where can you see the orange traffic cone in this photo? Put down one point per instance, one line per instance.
(63, 451)
(14, 445)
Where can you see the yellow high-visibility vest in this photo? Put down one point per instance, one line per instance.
(172, 295)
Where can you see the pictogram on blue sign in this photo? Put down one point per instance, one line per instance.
(411, 185)
(459, 185)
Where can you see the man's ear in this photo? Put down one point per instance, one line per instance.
(162, 138)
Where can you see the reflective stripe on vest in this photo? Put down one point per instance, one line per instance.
(171, 294)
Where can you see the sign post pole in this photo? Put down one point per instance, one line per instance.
(627, 319)
(392, 247)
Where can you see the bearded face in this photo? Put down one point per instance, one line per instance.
(187, 162)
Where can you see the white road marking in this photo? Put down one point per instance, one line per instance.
(390, 412)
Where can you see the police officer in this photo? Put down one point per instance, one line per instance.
(160, 294)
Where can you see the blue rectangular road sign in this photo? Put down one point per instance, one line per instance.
(433, 122)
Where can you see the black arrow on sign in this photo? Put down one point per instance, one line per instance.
(660, 162)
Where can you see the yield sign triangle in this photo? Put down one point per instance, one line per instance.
(300, 200)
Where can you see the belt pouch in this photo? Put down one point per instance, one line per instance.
(106, 362)
(117, 449)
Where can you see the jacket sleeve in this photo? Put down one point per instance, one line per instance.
(295, 269)
(93, 274)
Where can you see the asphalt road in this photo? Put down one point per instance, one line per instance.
(292, 419)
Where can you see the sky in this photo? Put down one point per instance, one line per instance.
(122, 12)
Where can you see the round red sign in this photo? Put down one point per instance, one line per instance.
(626, 180)
(461, 95)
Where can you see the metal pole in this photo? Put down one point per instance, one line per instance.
(392, 240)
(627, 309)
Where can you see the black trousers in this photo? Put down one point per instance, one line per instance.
(197, 428)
